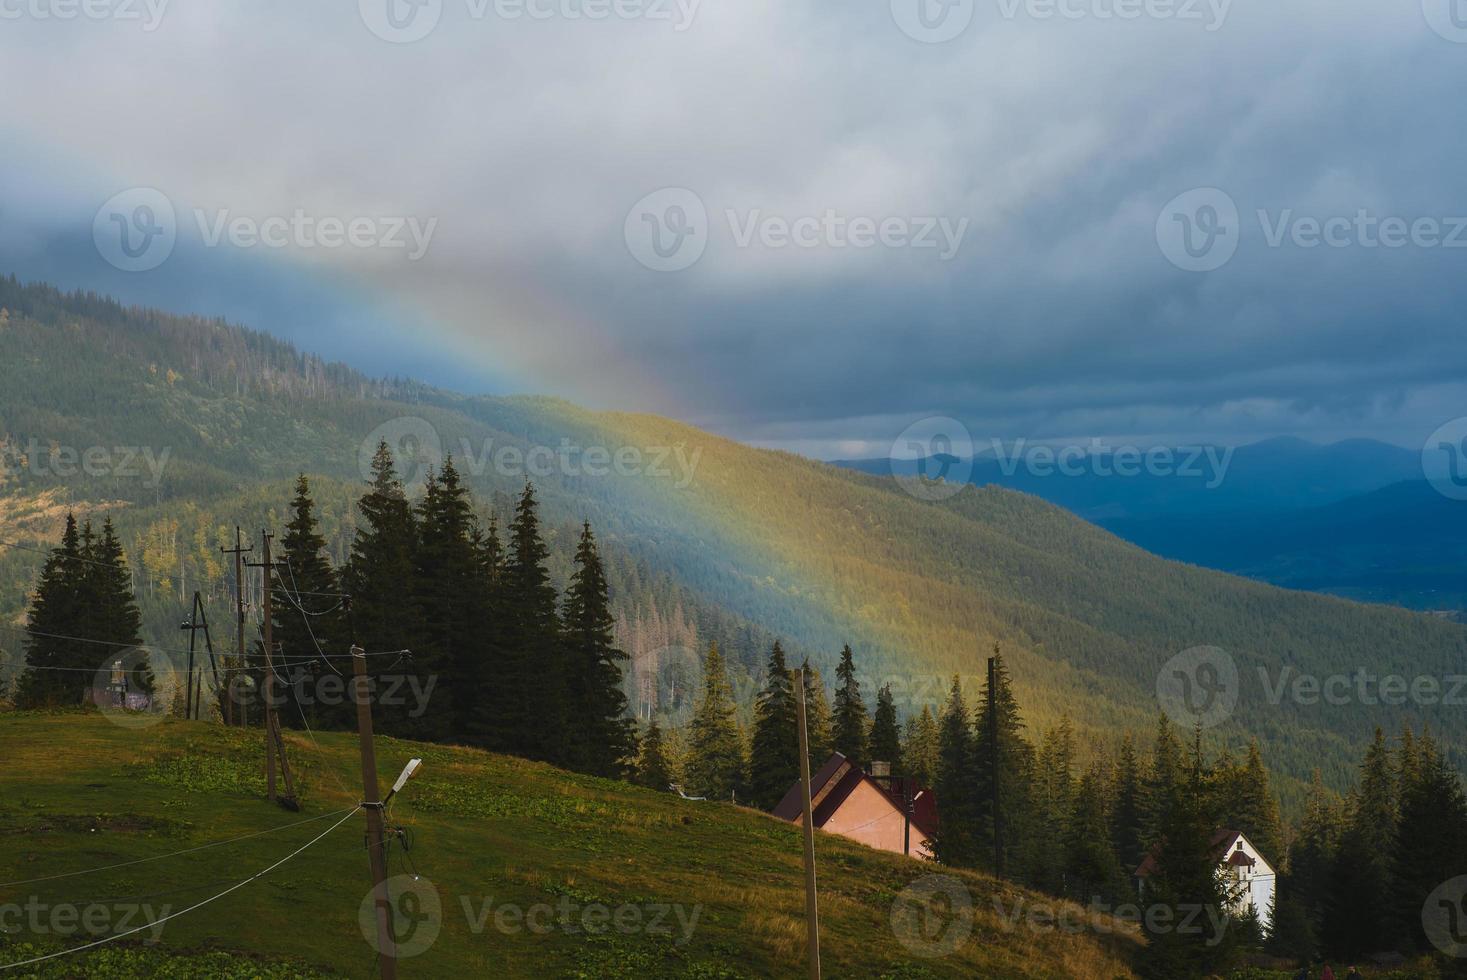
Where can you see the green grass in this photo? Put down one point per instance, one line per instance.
(488, 832)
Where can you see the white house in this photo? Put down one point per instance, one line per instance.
(1250, 878)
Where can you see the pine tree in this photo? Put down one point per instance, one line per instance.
(1163, 780)
(652, 768)
(1012, 758)
(58, 675)
(957, 832)
(919, 748)
(113, 611)
(452, 586)
(1186, 879)
(602, 735)
(850, 712)
(306, 613)
(885, 743)
(1311, 858)
(1053, 797)
(1358, 906)
(716, 763)
(1125, 830)
(1255, 810)
(817, 717)
(1431, 844)
(379, 577)
(1091, 867)
(774, 762)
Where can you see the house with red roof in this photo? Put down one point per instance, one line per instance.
(871, 809)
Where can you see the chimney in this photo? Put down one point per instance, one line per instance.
(881, 768)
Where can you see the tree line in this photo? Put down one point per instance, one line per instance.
(510, 665)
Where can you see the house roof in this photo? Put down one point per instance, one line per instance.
(1221, 844)
(833, 784)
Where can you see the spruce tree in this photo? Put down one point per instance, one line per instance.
(1053, 797)
(601, 733)
(1012, 758)
(850, 712)
(1163, 780)
(449, 598)
(957, 832)
(1358, 907)
(919, 748)
(113, 615)
(532, 685)
(1431, 843)
(380, 578)
(774, 761)
(1091, 867)
(1311, 858)
(1255, 810)
(817, 717)
(1184, 882)
(58, 676)
(885, 743)
(652, 768)
(307, 618)
(1125, 831)
(716, 763)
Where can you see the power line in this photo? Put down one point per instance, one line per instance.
(58, 553)
(82, 639)
(162, 649)
(213, 898)
(187, 850)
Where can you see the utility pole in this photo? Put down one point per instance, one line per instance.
(188, 703)
(376, 833)
(199, 620)
(812, 910)
(993, 753)
(238, 551)
(274, 741)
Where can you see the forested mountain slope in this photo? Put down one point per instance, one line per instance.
(706, 538)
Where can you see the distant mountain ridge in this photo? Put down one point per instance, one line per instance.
(1205, 478)
(757, 544)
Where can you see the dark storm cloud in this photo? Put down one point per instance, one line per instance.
(1041, 149)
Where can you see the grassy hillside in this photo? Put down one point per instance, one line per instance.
(707, 538)
(489, 831)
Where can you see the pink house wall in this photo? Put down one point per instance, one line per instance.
(869, 817)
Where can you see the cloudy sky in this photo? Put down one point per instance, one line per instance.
(799, 223)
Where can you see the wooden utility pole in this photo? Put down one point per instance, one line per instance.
(267, 571)
(274, 741)
(812, 910)
(238, 551)
(993, 753)
(376, 833)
